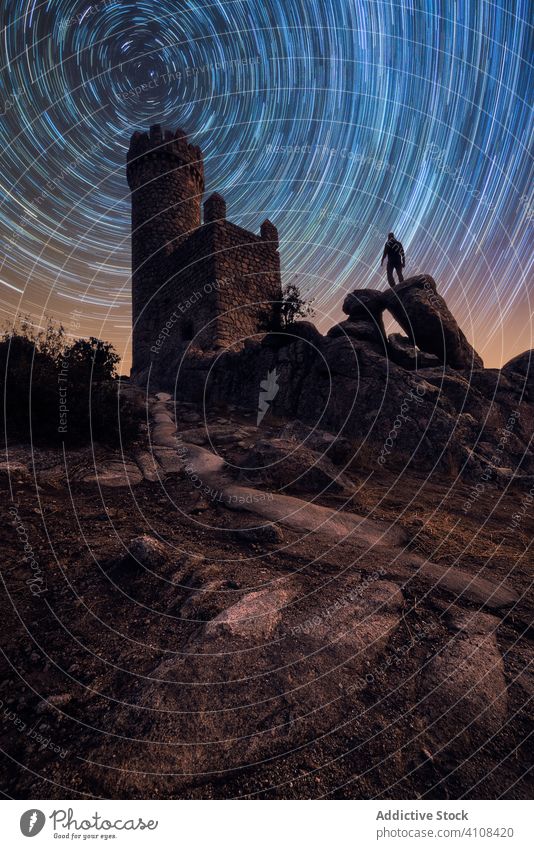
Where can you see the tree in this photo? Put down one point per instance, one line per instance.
(293, 306)
(54, 392)
(288, 310)
(91, 360)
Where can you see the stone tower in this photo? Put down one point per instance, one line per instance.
(166, 179)
(196, 284)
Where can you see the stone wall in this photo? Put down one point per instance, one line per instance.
(202, 285)
(210, 293)
(252, 265)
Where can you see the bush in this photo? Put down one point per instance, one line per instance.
(54, 392)
(288, 310)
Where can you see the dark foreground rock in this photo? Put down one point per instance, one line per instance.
(429, 417)
(424, 316)
(272, 646)
(404, 353)
(422, 400)
(283, 465)
(463, 692)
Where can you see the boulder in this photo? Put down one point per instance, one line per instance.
(406, 355)
(266, 676)
(468, 587)
(163, 433)
(364, 308)
(113, 472)
(256, 615)
(429, 324)
(365, 304)
(283, 464)
(149, 466)
(262, 534)
(371, 331)
(342, 356)
(168, 459)
(463, 689)
(520, 370)
(147, 551)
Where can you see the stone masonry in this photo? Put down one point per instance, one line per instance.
(205, 284)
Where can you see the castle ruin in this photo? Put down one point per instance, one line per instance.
(204, 284)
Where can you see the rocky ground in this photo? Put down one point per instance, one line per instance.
(229, 610)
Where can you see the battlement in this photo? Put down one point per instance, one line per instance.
(161, 145)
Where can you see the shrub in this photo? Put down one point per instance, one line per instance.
(55, 392)
(288, 310)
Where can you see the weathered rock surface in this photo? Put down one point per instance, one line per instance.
(269, 534)
(13, 471)
(148, 551)
(469, 587)
(163, 433)
(463, 691)
(282, 464)
(523, 366)
(168, 459)
(429, 324)
(303, 516)
(115, 472)
(256, 615)
(405, 354)
(365, 305)
(268, 679)
(367, 331)
(337, 448)
(151, 469)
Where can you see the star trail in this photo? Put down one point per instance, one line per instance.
(339, 121)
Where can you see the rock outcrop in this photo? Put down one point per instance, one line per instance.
(404, 353)
(291, 467)
(424, 400)
(521, 370)
(364, 308)
(365, 304)
(424, 316)
(429, 417)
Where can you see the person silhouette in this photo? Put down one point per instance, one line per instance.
(394, 252)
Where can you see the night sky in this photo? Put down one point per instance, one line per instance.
(337, 119)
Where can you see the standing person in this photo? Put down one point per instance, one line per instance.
(394, 251)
